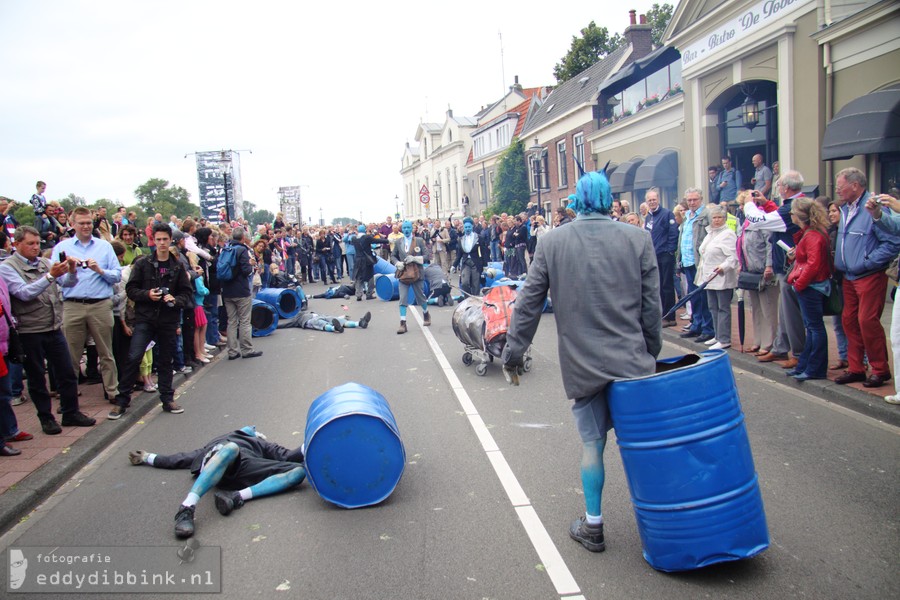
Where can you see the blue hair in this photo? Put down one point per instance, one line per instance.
(361, 229)
(571, 200)
(593, 194)
(468, 220)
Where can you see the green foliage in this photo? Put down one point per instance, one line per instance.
(344, 221)
(511, 190)
(594, 44)
(159, 196)
(257, 217)
(71, 201)
(24, 214)
(658, 17)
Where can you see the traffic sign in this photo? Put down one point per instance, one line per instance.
(424, 195)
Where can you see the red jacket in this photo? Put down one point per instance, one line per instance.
(812, 262)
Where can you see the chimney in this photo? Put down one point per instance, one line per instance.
(638, 36)
(515, 87)
(449, 113)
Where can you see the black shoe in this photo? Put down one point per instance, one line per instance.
(78, 419)
(370, 296)
(689, 334)
(253, 354)
(364, 322)
(590, 536)
(9, 451)
(704, 338)
(233, 356)
(876, 380)
(427, 319)
(50, 426)
(849, 377)
(338, 328)
(116, 413)
(359, 298)
(184, 522)
(92, 380)
(226, 502)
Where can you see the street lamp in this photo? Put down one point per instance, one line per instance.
(397, 207)
(321, 218)
(537, 162)
(437, 197)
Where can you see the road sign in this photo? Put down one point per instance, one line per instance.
(424, 195)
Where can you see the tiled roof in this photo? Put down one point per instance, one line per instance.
(577, 91)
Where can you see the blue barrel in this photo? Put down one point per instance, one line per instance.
(498, 265)
(263, 318)
(387, 288)
(687, 459)
(285, 300)
(354, 454)
(383, 267)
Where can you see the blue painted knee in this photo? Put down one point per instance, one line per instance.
(278, 483)
(215, 468)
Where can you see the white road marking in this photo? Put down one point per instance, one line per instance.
(547, 551)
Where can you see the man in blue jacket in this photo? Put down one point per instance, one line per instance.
(660, 222)
(863, 254)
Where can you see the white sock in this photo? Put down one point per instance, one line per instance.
(246, 494)
(592, 520)
(150, 458)
(191, 500)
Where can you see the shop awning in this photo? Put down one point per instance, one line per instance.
(869, 124)
(622, 179)
(658, 170)
(639, 69)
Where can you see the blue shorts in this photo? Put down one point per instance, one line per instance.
(592, 418)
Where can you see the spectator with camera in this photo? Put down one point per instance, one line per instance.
(37, 304)
(160, 288)
(88, 304)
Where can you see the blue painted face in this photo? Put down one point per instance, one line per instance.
(407, 228)
(467, 228)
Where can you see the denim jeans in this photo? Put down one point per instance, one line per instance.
(165, 338)
(702, 318)
(495, 251)
(351, 262)
(16, 378)
(814, 359)
(9, 426)
(211, 308)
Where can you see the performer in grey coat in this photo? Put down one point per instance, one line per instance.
(616, 334)
(410, 249)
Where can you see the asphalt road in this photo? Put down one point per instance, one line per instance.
(454, 528)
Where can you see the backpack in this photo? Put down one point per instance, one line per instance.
(225, 266)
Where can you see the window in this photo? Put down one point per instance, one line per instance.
(562, 164)
(491, 183)
(633, 97)
(483, 189)
(578, 139)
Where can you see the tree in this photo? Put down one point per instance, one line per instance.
(159, 196)
(658, 17)
(594, 44)
(511, 183)
(344, 221)
(71, 201)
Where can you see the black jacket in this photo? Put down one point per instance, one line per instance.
(145, 277)
(239, 285)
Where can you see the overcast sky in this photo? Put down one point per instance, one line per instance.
(100, 96)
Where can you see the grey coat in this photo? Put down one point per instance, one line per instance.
(604, 281)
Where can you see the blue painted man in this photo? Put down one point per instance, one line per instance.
(409, 253)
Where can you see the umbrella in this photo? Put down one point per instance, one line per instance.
(689, 296)
(740, 315)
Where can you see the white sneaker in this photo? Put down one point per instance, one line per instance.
(684, 316)
(202, 359)
(209, 346)
(893, 399)
(719, 346)
(711, 342)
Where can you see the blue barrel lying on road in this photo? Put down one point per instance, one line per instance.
(383, 267)
(387, 288)
(263, 318)
(354, 454)
(497, 265)
(285, 300)
(687, 459)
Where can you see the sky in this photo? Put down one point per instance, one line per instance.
(100, 96)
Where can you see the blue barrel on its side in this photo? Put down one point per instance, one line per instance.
(387, 288)
(354, 454)
(384, 267)
(285, 300)
(687, 459)
(497, 265)
(263, 318)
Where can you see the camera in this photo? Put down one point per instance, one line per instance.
(83, 264)
(165, 292)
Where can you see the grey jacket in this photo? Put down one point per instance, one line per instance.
(604, 281)
(42, 311)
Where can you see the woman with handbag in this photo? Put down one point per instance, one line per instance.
(811, 279)
(754, 252)
(718, 256)
(9, 426)
(408, 255)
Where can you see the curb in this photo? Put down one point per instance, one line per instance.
(26, 495)
(848, 397)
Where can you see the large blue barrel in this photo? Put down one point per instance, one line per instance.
(383, 267)
(498, 265)
(387, 288)
(285, 300)
(354, 454)
(687, 459)
(263, 318)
